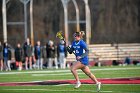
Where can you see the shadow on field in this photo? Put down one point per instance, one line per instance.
(134, 80)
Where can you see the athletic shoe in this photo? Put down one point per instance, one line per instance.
(98, 86)
(78, 84)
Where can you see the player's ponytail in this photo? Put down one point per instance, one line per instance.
(82, 33)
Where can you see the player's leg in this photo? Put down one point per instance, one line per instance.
(49, 63)
(41, 63)
(74, 67)
(87, 71)
(20, 65)
(9, 65)
(26, 63)
(55, 62)
(1, 64)
(30, 62)
(5, 63)
(37, 63)
(63, 61)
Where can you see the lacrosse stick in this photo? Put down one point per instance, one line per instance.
(59, 35)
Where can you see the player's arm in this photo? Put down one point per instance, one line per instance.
(86, 52)
(85, 47)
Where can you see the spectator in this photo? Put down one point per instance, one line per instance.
(7, 56)
(136, 62)
(62, 54)
(28, 54)
(127, 61)
(115, 63)
(1, 57)
(19, 56)
(51, 54)
(38, 51)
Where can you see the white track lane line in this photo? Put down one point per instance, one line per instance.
(54, 71)
(49, 90)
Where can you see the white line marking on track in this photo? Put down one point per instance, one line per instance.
(55, 90)
(57, 74)
(93, 84)
(49, 90)
(54, 71)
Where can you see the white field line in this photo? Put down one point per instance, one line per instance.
(95, 84)
(65, 74)
(54, 71)
(57, 74)
(49, 90)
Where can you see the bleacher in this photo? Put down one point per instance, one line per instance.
(110, 52)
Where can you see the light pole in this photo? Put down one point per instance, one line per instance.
(88, 22)
(77, 15)
(31, 22)
(4, 19)
(25, 2)
(65, 4)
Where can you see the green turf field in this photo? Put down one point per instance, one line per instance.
(44, 75)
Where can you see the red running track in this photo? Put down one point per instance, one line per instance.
(135, 80)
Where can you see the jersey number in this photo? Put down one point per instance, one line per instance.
(77, 51)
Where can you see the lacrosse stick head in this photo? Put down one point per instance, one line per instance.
(59, 35)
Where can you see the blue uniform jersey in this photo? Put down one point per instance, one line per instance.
(79, 48)
(5, 52)
(61, 48)
(38, 51)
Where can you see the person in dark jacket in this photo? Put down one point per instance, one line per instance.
(62, 54)
(51, 54)
(38, 51)
(28, 54)
(19, 56)
(127, 60)
(7, 56)
(1, 57)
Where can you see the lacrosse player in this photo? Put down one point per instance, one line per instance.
(79, 47)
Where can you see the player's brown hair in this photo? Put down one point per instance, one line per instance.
(81, 34)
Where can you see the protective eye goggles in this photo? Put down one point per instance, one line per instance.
(76, 35)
